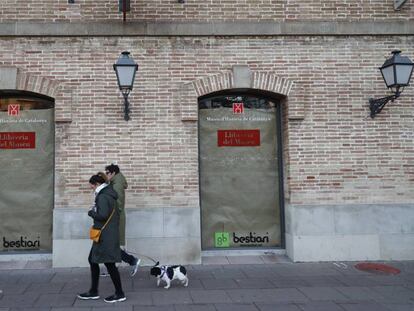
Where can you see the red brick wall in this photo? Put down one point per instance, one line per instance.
(194, 10)
(336, 154)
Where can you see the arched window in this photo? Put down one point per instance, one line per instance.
(27, 177)
(240, 171)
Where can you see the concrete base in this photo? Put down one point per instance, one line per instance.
(243, 252)
(168, 235)
(314, 233)
(350, 232)
(25, 256)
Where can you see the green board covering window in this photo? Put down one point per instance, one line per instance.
(239, 173)
(27, 178)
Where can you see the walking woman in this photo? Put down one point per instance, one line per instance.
(107, 250)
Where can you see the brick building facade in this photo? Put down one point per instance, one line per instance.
(347, 179)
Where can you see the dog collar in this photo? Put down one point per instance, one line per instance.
(163, 270)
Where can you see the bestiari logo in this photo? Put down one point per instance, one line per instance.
(251, 238)
(22, 243)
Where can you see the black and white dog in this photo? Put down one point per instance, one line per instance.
(169, 273)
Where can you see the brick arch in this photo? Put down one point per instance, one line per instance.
(260, 80)
(37, 84)
(12, 78)
(266, 81)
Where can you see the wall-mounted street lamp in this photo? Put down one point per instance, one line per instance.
(125, 69)
(396, 72)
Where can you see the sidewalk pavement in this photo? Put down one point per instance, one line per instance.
(241, 283)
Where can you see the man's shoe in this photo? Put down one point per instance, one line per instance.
(115, 298)
(88, 296)
(135, 266)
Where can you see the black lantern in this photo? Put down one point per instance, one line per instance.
(125, 69)
(396, 72)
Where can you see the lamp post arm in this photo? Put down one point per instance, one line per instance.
(376, 105)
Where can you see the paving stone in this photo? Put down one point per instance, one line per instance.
(266, 295)
(359, 293)
(357, 281)
(55, 300)
(244, 287)
(219, 284)
(320, 306)
(69, 276)
(154, 308)
(44, 288)
(389, 280)
(199, 274)
(324, 281)
(289, 282)
(309, 269)
(228, 274)
(408, 278)
(195, 307)
(171, 297)
(210, 296)
(322, 293)
(13, 289)
(254, 283)
(248, 295)
(29, 309)
(236, 307)
(399, 307)
(35, 276)
(405, 266)
(286, 295)
(105, 288)
(4, 275)
(19, 301)
(277, 307)
(194, 284)
(118, 306)
(259, 272)
(395, 293)
(138, 298)
(363, 306)
(145, 285)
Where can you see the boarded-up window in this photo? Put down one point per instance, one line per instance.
(239, 174)
(27, 174)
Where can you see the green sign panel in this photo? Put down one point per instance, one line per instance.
(221, 239)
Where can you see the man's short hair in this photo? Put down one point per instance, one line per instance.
(113, 168)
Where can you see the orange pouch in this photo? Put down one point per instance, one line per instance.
(94, 234)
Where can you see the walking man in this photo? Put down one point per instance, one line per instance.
(119, 184)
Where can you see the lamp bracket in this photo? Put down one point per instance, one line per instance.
(376, 105)
(126, 106)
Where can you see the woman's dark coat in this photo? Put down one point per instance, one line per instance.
(107, 249)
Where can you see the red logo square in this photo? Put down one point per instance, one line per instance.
(238, 108)
(13, 110)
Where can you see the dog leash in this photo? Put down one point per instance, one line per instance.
(142, 255)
